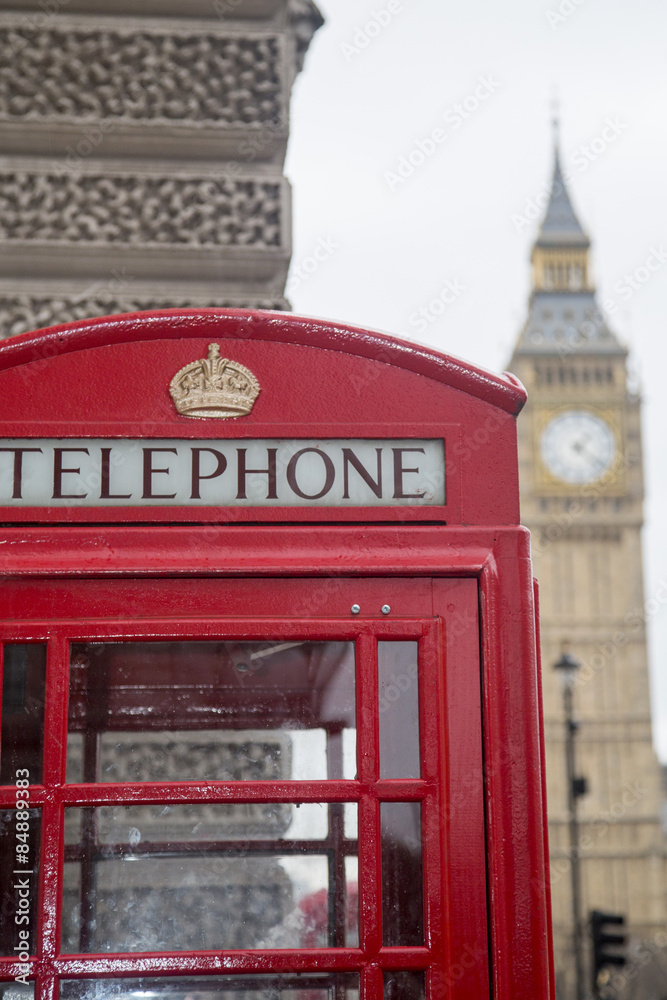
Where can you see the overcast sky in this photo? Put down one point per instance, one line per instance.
(380, 77)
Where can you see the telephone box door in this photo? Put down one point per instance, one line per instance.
(247, 793)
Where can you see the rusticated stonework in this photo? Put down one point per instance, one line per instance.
(147, 76)
(20, 313)
(167, 210)
(198, 756)
(141, 155)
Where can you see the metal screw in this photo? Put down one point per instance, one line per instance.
(385, 609)
(242, 668)
(355, 609)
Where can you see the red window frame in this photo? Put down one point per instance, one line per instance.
(370, 959)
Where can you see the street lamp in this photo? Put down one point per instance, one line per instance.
(568, 666)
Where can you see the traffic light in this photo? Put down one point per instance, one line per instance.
(579, 787)
(608, 945)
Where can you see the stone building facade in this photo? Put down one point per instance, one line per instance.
(142, 154)
(580, 454)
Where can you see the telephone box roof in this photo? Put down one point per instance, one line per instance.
(503, 391)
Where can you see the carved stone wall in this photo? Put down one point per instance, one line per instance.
(19, 313)
(131, 209)
(145, 141)
(175, 76)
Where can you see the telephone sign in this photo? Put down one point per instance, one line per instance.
(36, 472)
(270, 693)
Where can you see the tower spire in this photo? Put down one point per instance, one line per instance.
(560, 225)
(563, 314)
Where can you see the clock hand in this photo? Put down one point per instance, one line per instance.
(581, 446)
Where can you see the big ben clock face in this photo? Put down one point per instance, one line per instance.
(578, 447)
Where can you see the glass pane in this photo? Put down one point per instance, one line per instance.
(399, 709)
(352, 901)
(202, 877)
(225, 711)
(404, 986)
(306, 986)
(17, 991)
(402, 877)
(201, 823)
(19, 877)
(23, 680)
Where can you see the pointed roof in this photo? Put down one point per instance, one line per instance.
(560, 226)
(565, 322)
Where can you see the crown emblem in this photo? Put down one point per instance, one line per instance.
(214, 387)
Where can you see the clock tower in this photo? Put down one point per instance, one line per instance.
(582, 492)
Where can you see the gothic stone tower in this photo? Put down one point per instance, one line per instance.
(142, 154)
(582, 490)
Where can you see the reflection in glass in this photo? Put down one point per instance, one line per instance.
(306, 986)
(20, 831)
(17, 991)
(203, 877)
(404, 986)
(23, 680)
(398, 690)
(352, 901)
(402, 876)
(212, 711)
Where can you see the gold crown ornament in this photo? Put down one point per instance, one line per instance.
(214, 387)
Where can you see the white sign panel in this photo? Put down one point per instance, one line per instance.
(221, 473)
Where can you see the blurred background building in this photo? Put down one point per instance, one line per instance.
(582, 489)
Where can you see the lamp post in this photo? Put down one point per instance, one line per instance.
(567, 667)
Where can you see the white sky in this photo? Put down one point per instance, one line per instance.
(357, 111)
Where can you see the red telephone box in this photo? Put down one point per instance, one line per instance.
(271, 708)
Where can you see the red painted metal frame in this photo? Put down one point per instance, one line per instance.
(231, 515)
(474, 574)
(334, 381)
(505, 392)
(368, 790)
(498, 566)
